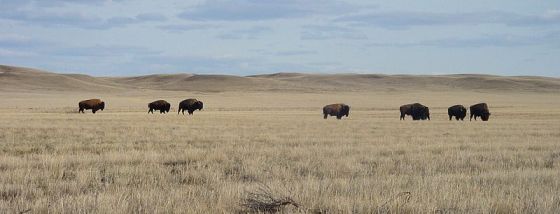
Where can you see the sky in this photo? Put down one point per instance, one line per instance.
(246, 37)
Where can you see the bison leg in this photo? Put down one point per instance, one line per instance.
(190, 111)
(471, 117)
(324, 116)
(338, 117)
(81, 110)
(150, 110)
(93, 111)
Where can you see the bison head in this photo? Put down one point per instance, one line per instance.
(166, 107)
(485, 116)
(345, 110)
(102, 106)
(199, 105)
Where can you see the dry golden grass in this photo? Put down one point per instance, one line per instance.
(123, 160)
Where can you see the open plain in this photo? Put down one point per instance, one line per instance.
(267, 133)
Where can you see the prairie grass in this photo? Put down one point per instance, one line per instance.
(123, 160)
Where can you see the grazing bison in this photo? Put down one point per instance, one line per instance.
(480, 110)
(190, 105)
(161, 105)
(337, 110)
(93, 104)
(416, 110)
(457, 111)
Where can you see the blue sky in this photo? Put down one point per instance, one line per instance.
(244, 37)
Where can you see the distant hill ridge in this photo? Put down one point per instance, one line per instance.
(27, 79)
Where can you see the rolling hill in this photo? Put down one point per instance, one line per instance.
(27, 79)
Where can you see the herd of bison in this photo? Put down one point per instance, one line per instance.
(416, 110)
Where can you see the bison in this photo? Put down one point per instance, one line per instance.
(337, 110)
(457, 111)
(190, 105)
(480, 110)
(93, 104)
(416, 110)
(161, 105)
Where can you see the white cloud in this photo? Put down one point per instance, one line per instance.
(13, 53)
(323, 32)
(551, 39)
(247, 10)
(247, 33)
(177, 28)
(552, 15)
(75, 19)
(406, 19)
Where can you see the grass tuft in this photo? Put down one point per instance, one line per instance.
(264, 199)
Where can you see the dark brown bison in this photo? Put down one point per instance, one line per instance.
(93, 104)
(337, 110)
(190, 105)
(457, 111)
(416, 110)
(480, 110)
(161, 105)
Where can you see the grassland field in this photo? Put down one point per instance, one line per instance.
(123, 160)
